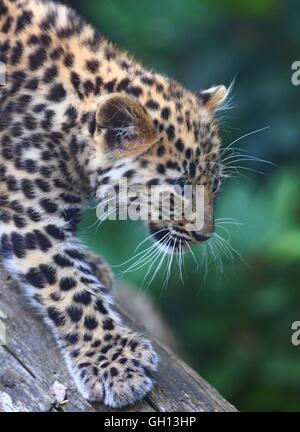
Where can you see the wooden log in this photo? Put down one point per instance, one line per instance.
(33, 376)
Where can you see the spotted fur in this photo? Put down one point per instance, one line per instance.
(76, 113)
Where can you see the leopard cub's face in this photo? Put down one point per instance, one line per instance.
(169, 158)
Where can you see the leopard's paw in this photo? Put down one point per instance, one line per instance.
(122, 374)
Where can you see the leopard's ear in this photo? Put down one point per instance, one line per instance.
(213, 97)
(123, 126)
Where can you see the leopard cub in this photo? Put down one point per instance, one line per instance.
(77, 114)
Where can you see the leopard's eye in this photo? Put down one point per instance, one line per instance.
(216, 185)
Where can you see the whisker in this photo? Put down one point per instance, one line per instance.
(169, 267)
(148, 238)
(163, 253)
(152, 252)
(193, 255)
(247, 135)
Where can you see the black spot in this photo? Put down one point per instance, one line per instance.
(75, 254)
(7, 153)
(108, 324)
(114, 372)
(18, 244)
(50, 74)
(85, 270)
(96, 344)
(129, 174)
(159, 88)
(104, 350)
(153, 182)
(165, 113)
(70, 199)
(57, 317)
(7, 25)
(92, 65)
(45, 39)
(74, 313)
(48, 205)
(16, 130)
(72, 338)
(23, 20)
(87, 281)
(55, 296)
(43, 241)
(30, 122)
(34, 215)
(16, 206)
(72, 215)
(146, 80)
(33, 40)
(19, 76)
(83, 297)
(161, 169)
(66, 284)
(161, 150)
(30, 166)
(87, 337)
(42, 185)
(19, 221)
(100, 307)
(171, 132)
(30, 241)
(37, 59)
(55, 232)
(35, 278)
(57, 93)
(92, 125)
(192, 169)
(98, 85)
(123, 84)
(56, 53)
(109, 86)
(6, 247)
(46, 171)
(16, 53)
(124, 65)
(72, 113)
(151, 104)
(3, 9)
(179, 145)
(12, 184)
(135, 91)
(75, 80)
(32, 85)
(88, 87)
(69, 60)
(5, 217)
(49, 273)
(90, 323)
(188, 153)
(62, 261)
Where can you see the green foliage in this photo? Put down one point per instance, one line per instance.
(233, 327)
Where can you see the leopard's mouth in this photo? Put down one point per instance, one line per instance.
(174, 239)
(170, 239)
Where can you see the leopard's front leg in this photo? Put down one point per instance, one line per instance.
(109, 362)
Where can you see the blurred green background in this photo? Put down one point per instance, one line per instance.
(234, 326)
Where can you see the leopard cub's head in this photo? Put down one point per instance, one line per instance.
(165, 149)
